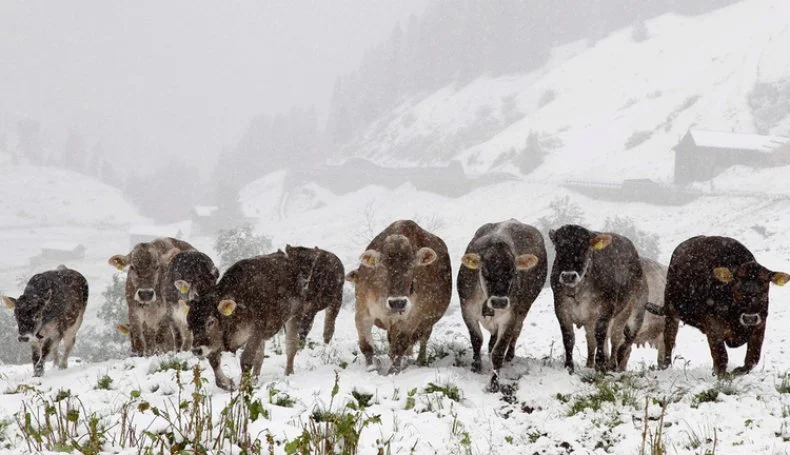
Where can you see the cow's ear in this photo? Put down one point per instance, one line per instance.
(723, 274)
(471, 261)
(351, 276)
(425, 256)
(119, 261)
(9, 302)
(183, 306)
(552, 235)
(526, 261)
(123, 329)
(370, 258)
(226, 307)
(182, 286)
(779, 278)
(168, 257)
(600, 241)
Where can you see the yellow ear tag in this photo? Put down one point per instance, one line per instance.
(599, 245)
(8, 303)
(226, 307)
(723, 274)
(184, 288)
(781, 279)
(370, 260)
(184, 306)
(123, 329)
(119, 267)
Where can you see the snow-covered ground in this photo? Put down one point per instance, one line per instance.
(534, 418)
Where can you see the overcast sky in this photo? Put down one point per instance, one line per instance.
(181, 76)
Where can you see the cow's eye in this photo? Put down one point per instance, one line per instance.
(411, 289)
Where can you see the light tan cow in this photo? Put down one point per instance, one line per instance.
(150, 326)
(652, 331)
(403, 286)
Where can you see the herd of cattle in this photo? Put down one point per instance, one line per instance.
(177, 300)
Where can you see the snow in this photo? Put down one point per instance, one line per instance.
(61, 246)
(604, 94)
(205, 210)
(723, 140)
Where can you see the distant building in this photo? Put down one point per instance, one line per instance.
(146, 233)
(62, 251)
(204, 221)
(702, 155)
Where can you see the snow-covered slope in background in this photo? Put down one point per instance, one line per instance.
(690, 71)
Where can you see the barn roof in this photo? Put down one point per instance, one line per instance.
(204, 210)
(61, 246)
(737, 141)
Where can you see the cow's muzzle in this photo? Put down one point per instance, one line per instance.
(26, 338)
(201, 351)
(570, 279)
(751, 320)
(145, 295)
(498, 303)
(398, 304)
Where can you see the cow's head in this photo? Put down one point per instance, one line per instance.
(206, 318)
(392, 271)
(146, 270)
(28, 311)
(497, 268)
(574, 246)
(747, 286)
(193, 274)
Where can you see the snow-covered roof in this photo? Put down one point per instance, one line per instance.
(205, 210)
(154, 231)
(61, 246)
(737, 141)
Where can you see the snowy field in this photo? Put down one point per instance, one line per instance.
(544, 410)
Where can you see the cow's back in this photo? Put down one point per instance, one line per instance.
(616, 270)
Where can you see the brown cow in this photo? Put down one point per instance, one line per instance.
(249, 305)
(189, 274)
(716, 285)
(404, 286)
(652, 331)
(322, 288)
(598, 284)
(50, 310)
(150, 327)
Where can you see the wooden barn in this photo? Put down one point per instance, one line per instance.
(702, 155)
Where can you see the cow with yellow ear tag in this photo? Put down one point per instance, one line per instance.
(255, 298)
(716, 285)
(502, 273)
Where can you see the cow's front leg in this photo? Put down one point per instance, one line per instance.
(401, 343)
(38, 361)
(718, 351)
(475, 337)
(504, 334)
(753, 350)
(292, 334)
(365, 332)
(601, 332)
(422, 355)
(566, 328)
(222, 381)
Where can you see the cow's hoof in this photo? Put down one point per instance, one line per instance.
(741, 371)
(226, 385)
(493, 385)
(569, 367)
(477, 367)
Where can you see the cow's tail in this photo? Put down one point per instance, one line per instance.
(655, 309)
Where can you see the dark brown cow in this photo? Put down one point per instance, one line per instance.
(249, 305)
(403, 285)
(323, 288)
(716, 285)
(149, 322)
(598, 284)
(50, 310)
(189, 275)
(504, 270)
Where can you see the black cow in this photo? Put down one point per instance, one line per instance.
(598, 284)
(189, 275)
(716, 285)
(504, 271)
(50, 310)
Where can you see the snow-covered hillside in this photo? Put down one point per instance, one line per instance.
(591, 100)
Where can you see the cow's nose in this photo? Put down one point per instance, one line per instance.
(39, 335)
(569, 277)
(197, 351)
(750, 319)
(24, 338)
(397, 303)
(499, 303)
(145, 295)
